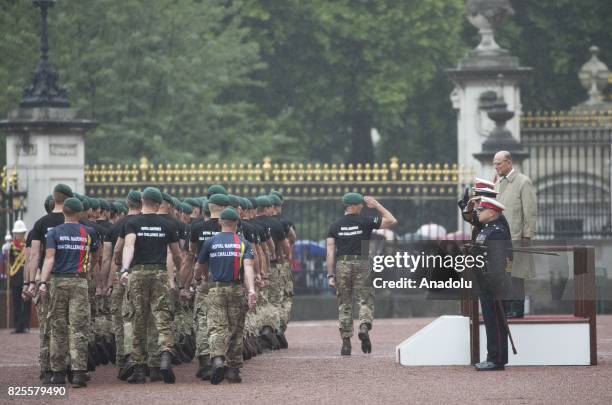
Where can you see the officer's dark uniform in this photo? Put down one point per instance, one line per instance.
(494, 242)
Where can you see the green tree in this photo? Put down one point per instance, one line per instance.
(339, 69)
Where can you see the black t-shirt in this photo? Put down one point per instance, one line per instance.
(248, 231)
(287, 225)
(153, 235)
(262, 231)
(118, 230)
(175, 223)
(29, 240)
(202, 231)
(350, 230)
(275, 227)
(42, 227)
(104, 227)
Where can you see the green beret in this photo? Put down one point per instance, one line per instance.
(49, 203)
(352, 199)
(104, 205)
(153, 194)
(117, 207)
(277, 193)
(64, 189)
(244, 203)
(219, 199)
(94, 203)
(134, 196)
(263, 201)
(167, 198)
(185, 208)
(176, 203)
(253, 202)
(80, 196)
(229, 214)
(74, 204)
(234, 200)
(192, 201)
(216, 189)
(85, 202)
(275, 199)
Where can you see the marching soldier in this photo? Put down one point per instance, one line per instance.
(226, 262)
(344, 248)
(494, 281)
(147, 239)
(61, 193)
(69, 247)
(200, 233)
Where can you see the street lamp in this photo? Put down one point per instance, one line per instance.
(44, 90)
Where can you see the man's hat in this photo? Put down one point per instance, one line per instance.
(193, 202)
(215, 189)
(185, 208)
(134, 196)
(245, 203)
(482, 183)
(116, 207)
(176, 203)
(485, 192)
(167, 198)
(49, 203)
(20, 227)
(491, 203)
(219, 199)
(104, 205)
(153, 194)
(278, 194)
(94, 203)
(352, 199)
(275, 199)
(234, 200)
(253, 202)
(229, 214)
(64, 189)
(74, 204)
(263, 201)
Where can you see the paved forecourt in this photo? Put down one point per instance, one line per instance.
(312, 370)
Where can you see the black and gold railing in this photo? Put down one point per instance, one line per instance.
(567, 119)
(297, 180)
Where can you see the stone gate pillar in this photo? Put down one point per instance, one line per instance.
(477, 86)
(45, 140)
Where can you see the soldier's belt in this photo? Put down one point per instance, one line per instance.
(69, 275)
(350, 257)
(149, 267)
(214, 284)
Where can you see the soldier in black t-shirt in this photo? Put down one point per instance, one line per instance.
(344, 248)
(147, 239)
(38, 237)
(110, 265)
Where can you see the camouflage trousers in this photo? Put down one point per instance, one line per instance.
(69, 316)
(226, 312)
(118, 309)
(201, 319)
(353, 279)
(42, 311)
(286, 287)
(149, 294)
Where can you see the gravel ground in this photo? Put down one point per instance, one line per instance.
(311, 370)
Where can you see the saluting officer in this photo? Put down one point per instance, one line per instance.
(147, 239)
(69, 249)
(494, 281)
(344, 241)
(226, 260)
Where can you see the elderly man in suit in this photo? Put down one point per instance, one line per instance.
(517, 194)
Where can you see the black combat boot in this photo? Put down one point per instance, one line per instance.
(59, 377)
(346, 347)
(232, 374)
(364, 336)
(47, 378)
(138, 376)
(127, 370)
(282, 340)
(91, 358)
(246, 354)
(166, 368)
(218, 370)
(69, 374)
(203, 366)
(269, 338)
(79, 380)
(154, 374)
